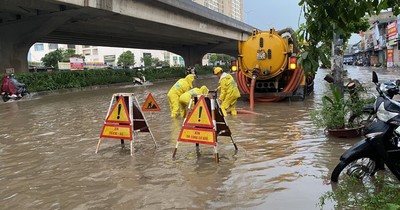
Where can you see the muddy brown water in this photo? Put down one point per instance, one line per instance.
(48, 160)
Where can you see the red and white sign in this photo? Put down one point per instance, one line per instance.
(76, 63)
(390, 57)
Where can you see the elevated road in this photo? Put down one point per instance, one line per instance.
(179, 26)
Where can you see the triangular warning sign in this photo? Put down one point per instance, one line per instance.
(150, 105)
(119, 113)
(200, 116)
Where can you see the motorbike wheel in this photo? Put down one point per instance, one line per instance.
(360, 168)
(4, 97)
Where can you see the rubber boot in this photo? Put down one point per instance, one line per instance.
(233, 112)
(223, 112)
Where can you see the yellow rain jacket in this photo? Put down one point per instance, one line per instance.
(184, 99)
(180, 87)
(229, 93)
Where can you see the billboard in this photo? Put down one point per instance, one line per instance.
(392, 33)
(76, 63)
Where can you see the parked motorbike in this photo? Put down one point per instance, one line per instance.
(367, 118)
(381, 148)
(6, 96)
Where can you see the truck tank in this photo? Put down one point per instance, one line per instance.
(268, 69)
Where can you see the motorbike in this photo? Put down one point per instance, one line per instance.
(367, 119)
(6, 97)
(378, 149)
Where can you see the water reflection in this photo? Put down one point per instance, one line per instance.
(47, 155)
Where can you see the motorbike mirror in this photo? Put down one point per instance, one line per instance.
(374, 77)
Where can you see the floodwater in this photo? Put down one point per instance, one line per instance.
(48, 160)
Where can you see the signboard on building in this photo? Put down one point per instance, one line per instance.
(390, 57)
(398, 27)
(95, 65)
(392, 33)
(76, 63)
(109, 60)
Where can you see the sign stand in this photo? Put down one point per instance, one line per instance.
(202, 128)
(123, 119)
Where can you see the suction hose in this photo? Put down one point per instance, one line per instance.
(252, 86)
(292, 85)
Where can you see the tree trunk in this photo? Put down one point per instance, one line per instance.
(337, 68)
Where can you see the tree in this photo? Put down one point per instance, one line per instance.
(328, 21)
(220, 57)
(126, 59)
(147, 60)
(51, 59)
(68, 53)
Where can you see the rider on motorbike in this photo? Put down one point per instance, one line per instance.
(18, 85)
(7, 87)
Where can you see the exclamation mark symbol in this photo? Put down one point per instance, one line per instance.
(119, 110)
(200, 109)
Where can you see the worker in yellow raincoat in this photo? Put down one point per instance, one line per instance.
(229, 91)
(184, 99)
(180, 87)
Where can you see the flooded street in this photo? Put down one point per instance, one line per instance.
(48, 160)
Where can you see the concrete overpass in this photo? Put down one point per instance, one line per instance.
(179, 26)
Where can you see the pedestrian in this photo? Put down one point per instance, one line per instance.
(229, 91)
(180, 87)
(184, 99)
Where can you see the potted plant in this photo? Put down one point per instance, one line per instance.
(335, 112)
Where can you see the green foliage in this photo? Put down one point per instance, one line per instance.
(220, 57)
(126, 59)
(336, 110)
(352, 194)
(51, 59)
(346, 15)
(68, 53)
(44, 81)
(333, 112)
(147, 60)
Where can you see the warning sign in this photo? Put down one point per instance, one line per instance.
(117, 132)
(200, 116)
(197, 135)
(119, 113)
(150, 105)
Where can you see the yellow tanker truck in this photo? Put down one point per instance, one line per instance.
(268, 69)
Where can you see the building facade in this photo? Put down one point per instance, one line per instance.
(230, 8)
(379, 45)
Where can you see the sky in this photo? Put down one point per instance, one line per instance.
(278, 14)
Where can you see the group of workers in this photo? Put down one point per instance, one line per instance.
(182, 91)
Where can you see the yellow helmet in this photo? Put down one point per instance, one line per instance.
(217, 70)
(204, 89)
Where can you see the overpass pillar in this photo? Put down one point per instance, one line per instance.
(17, 38)
(192, 55)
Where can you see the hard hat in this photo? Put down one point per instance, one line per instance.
(217, 70)
(204, 89)
(189, 77)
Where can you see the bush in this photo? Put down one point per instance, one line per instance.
(44, 81)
